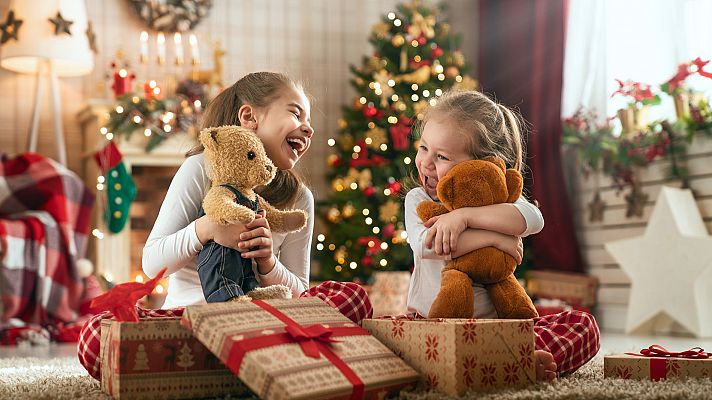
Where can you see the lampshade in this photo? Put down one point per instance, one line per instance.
(70, 55)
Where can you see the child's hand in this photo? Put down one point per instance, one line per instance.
(444, 231)
(511, 245)
(256, 243)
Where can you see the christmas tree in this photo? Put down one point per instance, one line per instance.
(416, 58)
(185, 357)
(141, 361)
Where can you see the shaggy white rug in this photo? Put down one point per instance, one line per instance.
(64, 378)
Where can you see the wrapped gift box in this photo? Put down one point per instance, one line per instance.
(575, 289)
(628, 366)
(159, 359)
(455, 355)
(389, 292)
(281, 349)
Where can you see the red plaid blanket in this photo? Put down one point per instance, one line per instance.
(44, 222)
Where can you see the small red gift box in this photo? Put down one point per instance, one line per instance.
(656, 363)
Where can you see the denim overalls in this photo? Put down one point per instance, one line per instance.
(224, 274)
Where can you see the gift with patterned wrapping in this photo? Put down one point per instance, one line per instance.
(298, 349)
(158, 358)
(656, 363)
(456, 355)
(388, 294)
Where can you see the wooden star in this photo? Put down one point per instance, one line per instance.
(91, 36)
(635, 202)
(10, 28)
(61, 25)
(670, 267)
(596, 208)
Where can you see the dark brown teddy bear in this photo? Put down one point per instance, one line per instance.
(478, 183)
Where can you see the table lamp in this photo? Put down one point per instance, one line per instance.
(50, 39)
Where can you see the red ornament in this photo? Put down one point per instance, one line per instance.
(417, 64)
(367, 261)
(369, 191)
(388, 231)
(436, 52)
(422, 40)
(336, 161)
(394, 187)
(400, 133)
(151, 91)
(370, 111)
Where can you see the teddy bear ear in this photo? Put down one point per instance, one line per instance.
(209, 138)
(515, 183)
(446, 190)
(497, 161)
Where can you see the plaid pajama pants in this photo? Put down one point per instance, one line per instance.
(572, 337)
(347, 297)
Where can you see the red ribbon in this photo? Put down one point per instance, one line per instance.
(314, 341)
(656, 350)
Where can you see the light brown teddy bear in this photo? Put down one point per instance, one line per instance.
(478, 183)
(236, 163)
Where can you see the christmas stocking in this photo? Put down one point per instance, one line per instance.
(120, 187)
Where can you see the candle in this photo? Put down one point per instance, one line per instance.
(194, 52)
(144, 47)
(178, 40)
(161, 45)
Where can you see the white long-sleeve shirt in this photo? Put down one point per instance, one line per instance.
(425, 281)
(173, 242)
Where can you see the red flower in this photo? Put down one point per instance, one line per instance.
(469, 364)
(488, 374)
(525, 355)
(469, 334)
(700, 64)
(510, 373)
(639, 92)
(431, 350)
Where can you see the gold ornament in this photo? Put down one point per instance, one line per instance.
(388, 211)
(420, 106)
(452, 71)
(333, 215)
(331, 159)
(338, 185)
(342, 123)
(347, 142)
(382, 77)
(378, 137)
(381, 29)
(467, 83)
(419, 76)
(348, 211)
(421, 25)
(340, 255)
(361, 178)
(458, 58)
(398, 40)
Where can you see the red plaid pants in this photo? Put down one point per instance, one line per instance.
(572, 337)
(347, 297)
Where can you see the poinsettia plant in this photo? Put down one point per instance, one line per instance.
(639, 94)
(676, 84)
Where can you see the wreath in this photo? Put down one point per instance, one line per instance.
(171, 15)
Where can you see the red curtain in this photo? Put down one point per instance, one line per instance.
(521, 57)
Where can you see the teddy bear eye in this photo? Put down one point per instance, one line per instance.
(250, 155)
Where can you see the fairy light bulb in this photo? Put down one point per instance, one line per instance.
(321, 237)
(407, 160)
(366, 211)
(331, 142)
(353, 265)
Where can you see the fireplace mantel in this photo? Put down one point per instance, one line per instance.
(112, 254)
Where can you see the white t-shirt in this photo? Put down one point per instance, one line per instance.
(174, 244)
(425, 281)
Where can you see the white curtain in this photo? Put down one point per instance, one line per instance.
(640, 40)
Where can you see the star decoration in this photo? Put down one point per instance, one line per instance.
(61, 25)
(670, 266)
(596, 208)
(91, 36)
(420, 25)
(381, 29)
(10, 28)
(635, 202)
(388, 211)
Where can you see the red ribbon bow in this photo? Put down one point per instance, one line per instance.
(308, 336)
(657, 350)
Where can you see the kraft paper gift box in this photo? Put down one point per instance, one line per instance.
(454, 356)
(388, 294)
(579, 290)
(298, 349)
(693, 363)
(157, 358)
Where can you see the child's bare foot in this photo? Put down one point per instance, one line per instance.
(545, 366)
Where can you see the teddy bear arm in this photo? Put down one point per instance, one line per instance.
(282, 221)
(515, 184)
(219, 205)
(430, 209)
